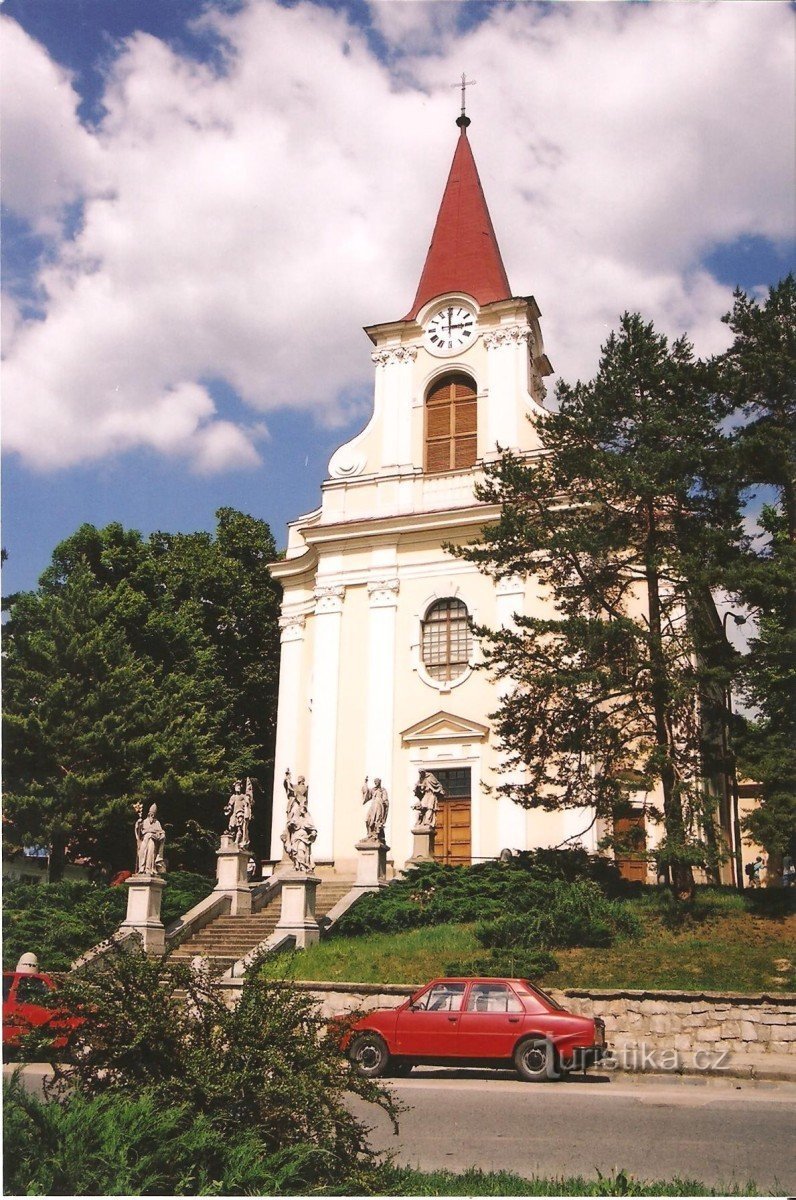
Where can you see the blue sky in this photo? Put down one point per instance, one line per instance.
(204, 207)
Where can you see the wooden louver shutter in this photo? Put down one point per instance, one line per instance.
(451, 424)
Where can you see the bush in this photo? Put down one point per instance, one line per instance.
(117, 1144)
(505, 964)
(547, 908)
(60, 921)
(266, 1066)
(573, 914)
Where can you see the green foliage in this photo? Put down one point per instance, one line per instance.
(615, 690)
(538, 895)
(404, 1181)
(564, 914)
(117, 1144)
(265, 1066)
(758, 374)
(519, 963)
(140, 671)
(59, 921)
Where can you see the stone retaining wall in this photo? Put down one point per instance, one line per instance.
(692, 1021)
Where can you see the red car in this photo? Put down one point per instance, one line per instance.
(476, 1022)
(23, 992)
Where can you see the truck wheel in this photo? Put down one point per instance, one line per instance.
(534, 1060)
(369, 1055)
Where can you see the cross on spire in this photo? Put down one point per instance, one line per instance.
(463, 120)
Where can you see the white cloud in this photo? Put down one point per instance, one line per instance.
(50, 160)
(244, 226)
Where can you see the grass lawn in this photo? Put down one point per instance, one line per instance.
(723, 947)
(404, 1182)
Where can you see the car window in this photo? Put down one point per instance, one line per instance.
(30, 990)
(7, 982)
(493, 998)
(443, 997)
(538, 993)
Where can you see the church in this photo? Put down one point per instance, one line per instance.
(377, 675)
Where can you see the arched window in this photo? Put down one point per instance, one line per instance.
(451, 422)
(447, 641)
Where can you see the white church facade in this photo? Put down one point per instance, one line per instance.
(377, 661)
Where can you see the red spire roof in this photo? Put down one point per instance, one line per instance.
(463, 255)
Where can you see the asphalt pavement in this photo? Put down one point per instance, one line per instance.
(720, 1132)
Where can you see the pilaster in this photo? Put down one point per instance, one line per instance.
(508, 379)
(379, 733)
(292, 627)
(394, 375)
(327, 626)
(509, 600)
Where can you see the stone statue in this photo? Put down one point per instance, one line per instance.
(428, 791)
(300, 831)
(239, 809)
(150, 837)
(376, 816)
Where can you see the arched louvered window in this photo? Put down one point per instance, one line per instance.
(447, 640)
(451, 423)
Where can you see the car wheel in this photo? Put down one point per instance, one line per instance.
(369, 1055)
(534, 1060)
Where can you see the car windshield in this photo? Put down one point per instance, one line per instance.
(537, 991)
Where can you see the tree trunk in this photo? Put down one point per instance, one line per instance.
(57, 859)
(682, 875)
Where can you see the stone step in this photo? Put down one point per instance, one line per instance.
(229, 938)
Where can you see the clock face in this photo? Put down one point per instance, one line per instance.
(450, 329)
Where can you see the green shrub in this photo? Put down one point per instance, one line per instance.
(118, 1144)
(60, 921)
(505, 964)
(568, 914)
(267, 1066)
(432, 893)
(514, 905)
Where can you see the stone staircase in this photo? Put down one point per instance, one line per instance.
(227, 939)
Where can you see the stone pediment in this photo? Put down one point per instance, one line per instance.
(444, 727)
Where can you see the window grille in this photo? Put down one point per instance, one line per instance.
(447, 641)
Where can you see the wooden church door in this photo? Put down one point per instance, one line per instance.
(453, 841)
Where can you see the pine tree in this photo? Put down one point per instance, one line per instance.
(625, 523)
(758, 376)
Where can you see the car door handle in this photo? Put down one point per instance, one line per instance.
(514, 1020)
(453, 1019)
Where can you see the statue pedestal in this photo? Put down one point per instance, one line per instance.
(144, 898)
(371, 864)
(423, 845)
(297, 918)
(231, 876)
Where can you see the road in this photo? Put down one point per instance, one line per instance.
(718, 1131)
(655, 1127)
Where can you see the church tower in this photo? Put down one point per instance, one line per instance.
(377, 662)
